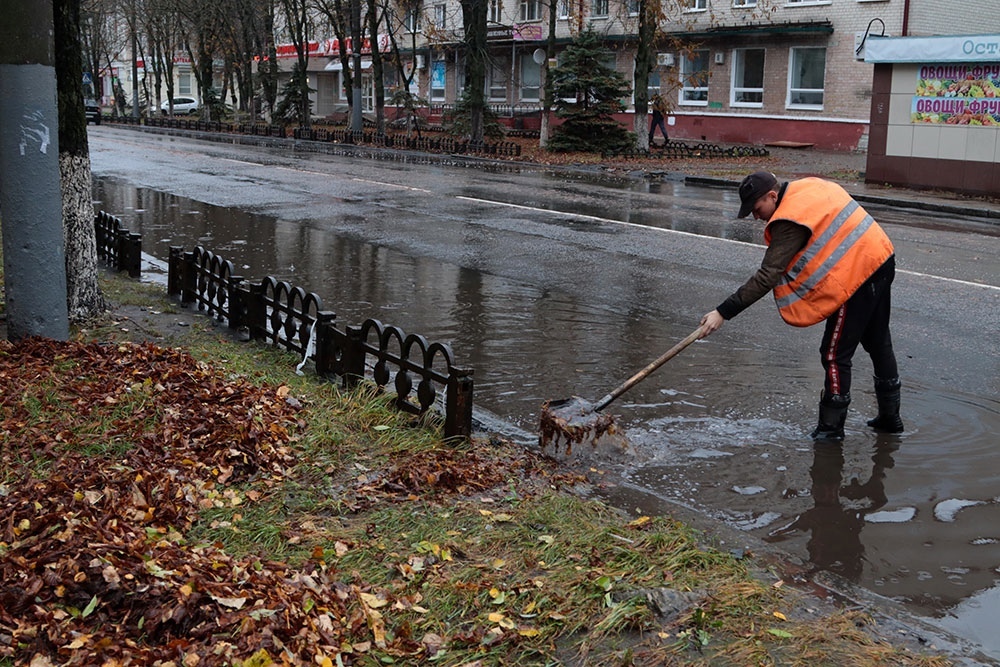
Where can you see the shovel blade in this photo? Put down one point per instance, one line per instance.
(573, 422)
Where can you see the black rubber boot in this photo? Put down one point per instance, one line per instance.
(887, 395)
(832, 415)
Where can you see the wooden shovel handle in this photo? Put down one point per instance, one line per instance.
(644, 373)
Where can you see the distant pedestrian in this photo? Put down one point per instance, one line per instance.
(659, 106)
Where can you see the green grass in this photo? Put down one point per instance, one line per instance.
(482, 544)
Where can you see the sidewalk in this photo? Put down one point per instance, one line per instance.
(847, 169)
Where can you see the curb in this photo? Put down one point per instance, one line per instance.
(988, 214)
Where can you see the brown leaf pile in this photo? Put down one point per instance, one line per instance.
(93, 564)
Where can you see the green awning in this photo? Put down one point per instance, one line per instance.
(758, 29)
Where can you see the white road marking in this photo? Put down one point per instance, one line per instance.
(599, 219)
(675, 231)
(392, 185)
(300, 170)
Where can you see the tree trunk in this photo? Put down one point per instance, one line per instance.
(377, 78)
(648, 12)
(83, 292)
(550, 54)
(474, 18)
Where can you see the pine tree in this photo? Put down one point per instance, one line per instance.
(587, 94)
(295, 107)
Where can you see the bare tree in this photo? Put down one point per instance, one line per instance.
(161, 28)
(267, 70)
(83, 292)
(338, 15)
(103, 43)
(201, 24)
(374, 20)
(406, 27)
(476, 60)
(298, 28)
(650, 15)
(550, 48)
(252, 35)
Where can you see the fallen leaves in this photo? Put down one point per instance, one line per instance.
(111, 452)
(91, 549)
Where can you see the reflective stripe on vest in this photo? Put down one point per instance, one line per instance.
(846, 247)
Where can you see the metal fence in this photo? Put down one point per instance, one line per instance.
(344, 136)
(682, 149)
(117, 247)
(281, 314)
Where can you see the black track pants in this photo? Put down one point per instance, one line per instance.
(863, 319)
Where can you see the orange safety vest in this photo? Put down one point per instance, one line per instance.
(845, 248)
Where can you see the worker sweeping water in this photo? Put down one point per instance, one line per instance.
(826, 259)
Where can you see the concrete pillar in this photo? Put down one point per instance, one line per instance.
(30, 195)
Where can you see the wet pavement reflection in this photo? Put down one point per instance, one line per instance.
(914, 517)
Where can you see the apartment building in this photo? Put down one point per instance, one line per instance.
(787, 72)
(735, 71)
(740, 71)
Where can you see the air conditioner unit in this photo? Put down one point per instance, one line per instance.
(859, 45)
(720, 57)
(665, 59)
(420, 61)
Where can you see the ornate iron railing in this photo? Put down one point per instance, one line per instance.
(284, 315)
(117, 247)
(680, 149)
(344, 136)
(203, 278)
(346, 354)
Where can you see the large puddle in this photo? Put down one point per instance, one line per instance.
(915, 518)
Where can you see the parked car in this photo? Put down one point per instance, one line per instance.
(93, 111)
(182, 105)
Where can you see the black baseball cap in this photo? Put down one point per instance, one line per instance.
(753, 187)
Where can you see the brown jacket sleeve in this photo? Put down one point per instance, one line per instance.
(787, 239)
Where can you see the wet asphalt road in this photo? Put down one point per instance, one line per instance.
(551, 285)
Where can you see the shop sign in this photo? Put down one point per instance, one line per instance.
(529, 32)
(936, 48)
(957, 94)
(499, 32)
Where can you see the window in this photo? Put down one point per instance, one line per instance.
(748, 78)
(437, 80)
(495, 11)
(496, 82)
(744, 3)
(564, 9)
(531, 10)
(531, 78)
(390, 78)
(696, 5)
(412, 20)
(342, 93)
(440, 17)
(632, 7)
(599, 9)
(653, 85)
(184, 84)
(806, 76)
(694, 78)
